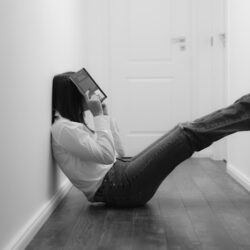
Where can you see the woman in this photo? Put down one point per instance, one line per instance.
(89, 158)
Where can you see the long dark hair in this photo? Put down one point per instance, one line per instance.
(66, 99)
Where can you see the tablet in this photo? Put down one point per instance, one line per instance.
(84, 82)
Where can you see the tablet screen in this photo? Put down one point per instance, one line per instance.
(85, 82)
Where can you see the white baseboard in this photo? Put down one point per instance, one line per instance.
(27, 233)
(238, 176)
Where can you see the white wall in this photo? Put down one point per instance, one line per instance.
(98, 53)
(239, 84)
(38, 40)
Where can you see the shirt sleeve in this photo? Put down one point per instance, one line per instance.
(117, 138)
(78, 142)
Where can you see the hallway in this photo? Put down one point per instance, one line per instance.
(160, 63)
(198, 206)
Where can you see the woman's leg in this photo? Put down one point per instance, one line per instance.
(134, 183)
(146, 172)
(145, 150)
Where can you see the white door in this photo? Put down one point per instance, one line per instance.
(150, 68)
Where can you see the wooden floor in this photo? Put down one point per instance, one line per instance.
(197, 207)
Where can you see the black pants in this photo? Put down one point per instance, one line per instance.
(133, 182)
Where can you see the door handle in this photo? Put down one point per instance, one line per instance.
(181, 39)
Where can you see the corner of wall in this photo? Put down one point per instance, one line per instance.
(237, 175)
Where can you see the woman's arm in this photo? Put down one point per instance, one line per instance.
(115, 133)
(81, 144)
(117, 138)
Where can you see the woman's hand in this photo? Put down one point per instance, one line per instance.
(93, 104)
(105, 108)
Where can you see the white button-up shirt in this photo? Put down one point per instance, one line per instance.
(83, 156)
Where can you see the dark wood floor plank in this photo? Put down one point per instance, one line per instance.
(198, 206)
(151, 209)
(148, 227)
(148, 234)
(210, 231)
(178, 227)
(117, 230)
(87, 231)
(54, 233)
(234, 222)
(233, 190)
